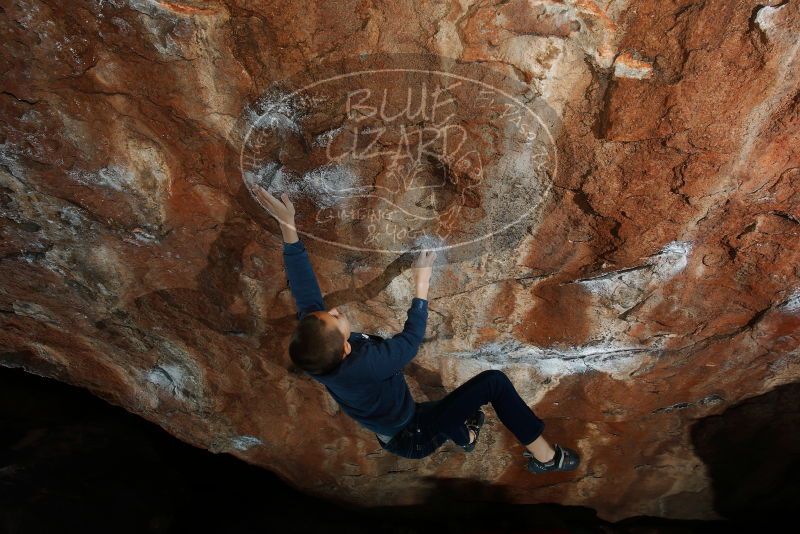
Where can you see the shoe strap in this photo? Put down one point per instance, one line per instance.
(561, 456)
(526, 453)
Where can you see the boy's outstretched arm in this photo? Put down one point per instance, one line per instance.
(390, 356)
(302, 281)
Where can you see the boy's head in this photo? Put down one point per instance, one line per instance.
(319, 343)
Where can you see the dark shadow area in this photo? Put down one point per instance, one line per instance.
(752, 452)
(70, 462)
(429, 381)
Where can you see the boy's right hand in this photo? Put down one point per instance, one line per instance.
(423, 267)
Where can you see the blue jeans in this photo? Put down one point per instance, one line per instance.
(434, 422)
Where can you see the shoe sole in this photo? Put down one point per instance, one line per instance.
(537, 470)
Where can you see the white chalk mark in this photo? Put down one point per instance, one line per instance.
(552, 362)
(792, 305)
(243, 443)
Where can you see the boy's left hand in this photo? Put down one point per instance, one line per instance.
(282, 211)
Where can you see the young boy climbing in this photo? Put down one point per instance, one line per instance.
(364, 373)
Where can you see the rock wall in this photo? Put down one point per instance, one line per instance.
(656, 283)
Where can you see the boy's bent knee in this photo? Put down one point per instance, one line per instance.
(495, 374)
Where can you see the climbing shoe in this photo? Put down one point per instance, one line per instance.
(564, 460)
(474, 423)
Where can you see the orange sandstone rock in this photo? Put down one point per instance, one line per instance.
(655, 284)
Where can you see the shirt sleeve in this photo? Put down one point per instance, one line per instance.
(302, 281)
(391, 355)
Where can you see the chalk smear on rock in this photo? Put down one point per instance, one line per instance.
(243, 443)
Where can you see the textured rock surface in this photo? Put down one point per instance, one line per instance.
(658, 285)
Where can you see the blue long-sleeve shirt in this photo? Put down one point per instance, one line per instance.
(369, 384)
